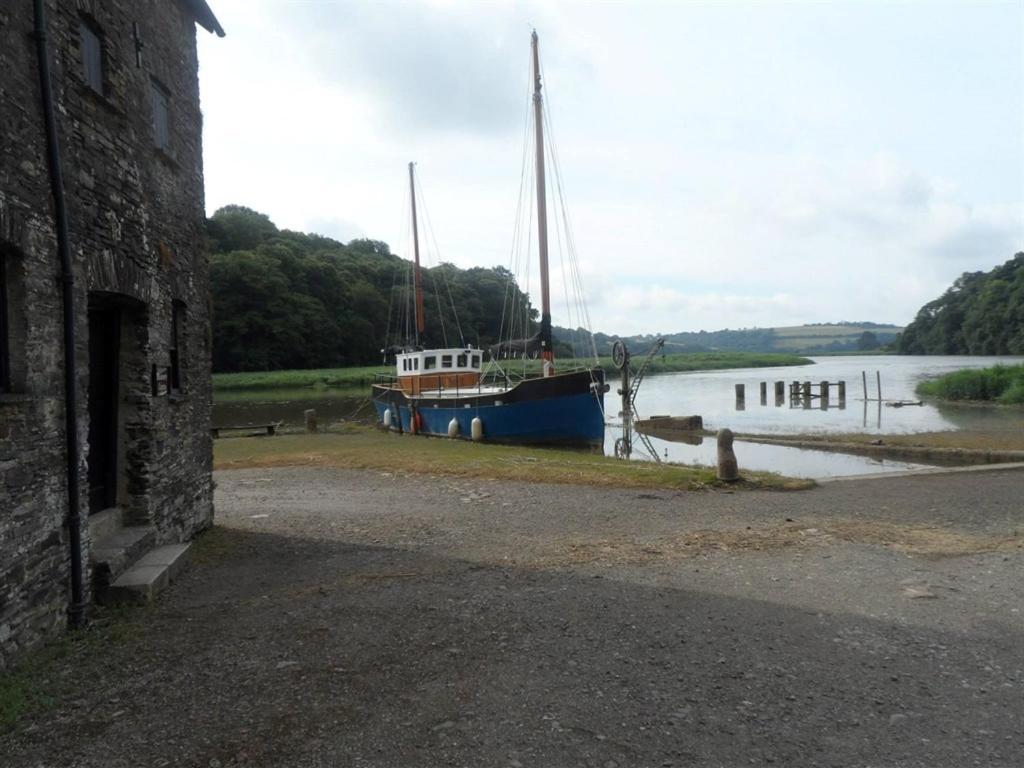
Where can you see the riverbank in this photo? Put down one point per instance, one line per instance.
(362, 377)
(360, 447)
(1003, 384)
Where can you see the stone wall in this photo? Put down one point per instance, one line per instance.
(136, 227)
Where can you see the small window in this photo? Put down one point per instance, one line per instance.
(161, 115)
(476, 361)
(92, 56)
(429, 363)
(5, 357)
(461, 361)
(416, 364)
(177, 321)
(446, 361)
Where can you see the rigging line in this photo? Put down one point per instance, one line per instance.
(517, 222)
(391, 307)
(437, 299)
(567, 223)
(437, 251)
(571, 241)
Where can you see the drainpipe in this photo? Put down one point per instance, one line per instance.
(76, 608)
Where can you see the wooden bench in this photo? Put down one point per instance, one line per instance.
(270, 429)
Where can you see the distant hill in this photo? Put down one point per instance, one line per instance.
(982, 313)
(816, 338)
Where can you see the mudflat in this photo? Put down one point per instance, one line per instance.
(356, 617)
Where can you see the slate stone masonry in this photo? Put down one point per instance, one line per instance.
(136, 227)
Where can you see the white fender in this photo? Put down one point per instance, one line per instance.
(476, 429)
(387, 418)
(453, 427)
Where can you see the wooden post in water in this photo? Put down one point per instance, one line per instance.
(824, 395)
(842, 394)
(310, 419)
(807, 394)
(741, 397)
(878, 379)
(864, 381)
(764, 393)
(780, 393)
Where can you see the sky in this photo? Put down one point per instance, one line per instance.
(724, 164)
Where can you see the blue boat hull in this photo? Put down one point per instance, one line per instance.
(567, 409)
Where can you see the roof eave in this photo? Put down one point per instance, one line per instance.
(204, 16)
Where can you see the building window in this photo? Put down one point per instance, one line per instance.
(176, 351)
(92, 56)
(5, 356)
(161, 115)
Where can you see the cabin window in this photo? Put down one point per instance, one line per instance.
(446, 361)
(405, 365)
(177, 321)
(92, 56)
(5, 357)
(416, 364)
(476, 361)
(429, 362)
(461, 361)
(161, 102)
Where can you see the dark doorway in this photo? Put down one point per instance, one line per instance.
(104, 362)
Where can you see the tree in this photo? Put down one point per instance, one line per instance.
(867, 341)
(982, 313)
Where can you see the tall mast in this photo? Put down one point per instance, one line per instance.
(417, 277)
(547, 354)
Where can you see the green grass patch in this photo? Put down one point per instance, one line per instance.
(373, 448)
(1000, 384)
(320, 379)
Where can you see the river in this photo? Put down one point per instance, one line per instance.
(711, 394)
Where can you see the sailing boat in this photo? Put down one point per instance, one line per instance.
(445, 392)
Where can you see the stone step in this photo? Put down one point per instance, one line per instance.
(105, 523)
(115, 552)
(149, 575)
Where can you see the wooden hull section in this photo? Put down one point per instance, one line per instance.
(565, 409)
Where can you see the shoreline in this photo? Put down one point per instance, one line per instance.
(359, 379)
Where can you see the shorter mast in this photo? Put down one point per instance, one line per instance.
(417, 277)
(547, 352)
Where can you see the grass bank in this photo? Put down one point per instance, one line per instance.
(371, 448)
(362, 377)
(1000, 384)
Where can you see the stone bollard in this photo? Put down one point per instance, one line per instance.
(728, 469)
(310, 420)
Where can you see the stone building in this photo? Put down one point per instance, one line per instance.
(127, 124)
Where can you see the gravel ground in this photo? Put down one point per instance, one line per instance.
(343, 618)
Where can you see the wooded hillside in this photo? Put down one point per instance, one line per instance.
(286, 300)
(981, 314)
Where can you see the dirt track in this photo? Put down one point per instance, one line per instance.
(357, 618)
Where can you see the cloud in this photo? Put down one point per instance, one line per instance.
(426, 67)
(782, 178)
